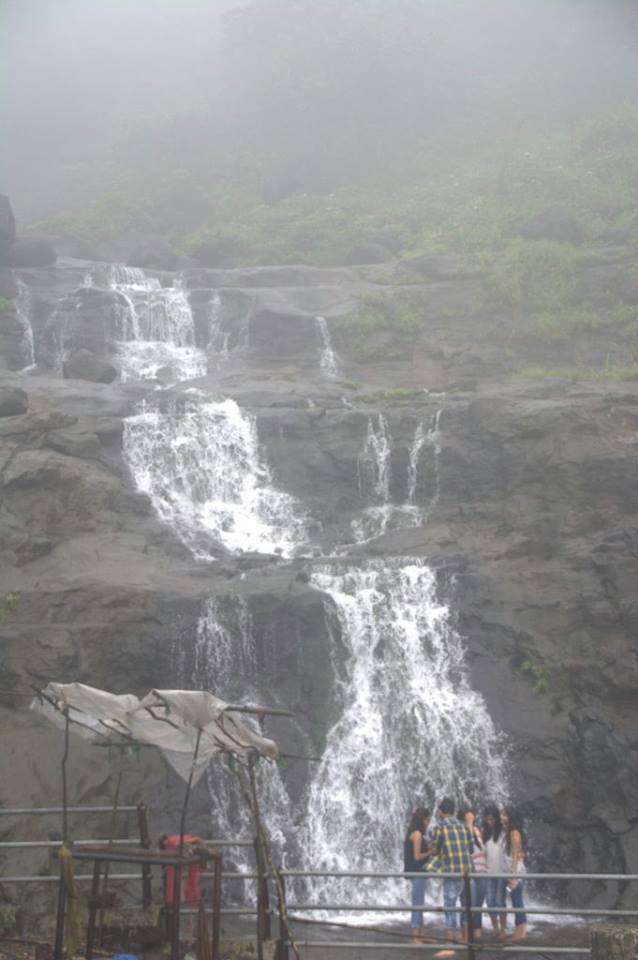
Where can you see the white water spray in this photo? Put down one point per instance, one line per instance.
(225, 664)
(154, 328)
(199, 462)
(374, 474)
(23, 310)
(411, 727)
(329, 362)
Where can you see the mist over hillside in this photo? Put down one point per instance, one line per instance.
(186, 115)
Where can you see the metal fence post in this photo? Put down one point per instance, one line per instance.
(260, 900)
(145, 843)
(467, 896)
(93, 906)
(284, 935)
(176, 910)
(217, 904)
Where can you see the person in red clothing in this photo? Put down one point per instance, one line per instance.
(190, 892)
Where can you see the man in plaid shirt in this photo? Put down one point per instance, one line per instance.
(452, 841)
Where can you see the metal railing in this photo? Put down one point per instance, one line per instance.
(470, 946)
(286, 942)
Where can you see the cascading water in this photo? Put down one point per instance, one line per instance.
(217, 338)
(199, 462)
(23, 309)
(373, 478)
(154, 328)
(374, 474)
(57, 333)
(224, 662)
(411, 727)
(329, 362)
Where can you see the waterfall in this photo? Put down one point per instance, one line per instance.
(373, 479)
(199, 462)
(154, 328)
(431, 439)
(23, 310)
(57, 333)
(224, 663)
(217, 338)
(411, 728)
(329, 363)
(374, 475)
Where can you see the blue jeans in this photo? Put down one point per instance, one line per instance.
(495, 894)
(516, 896)
(418, 899)
(479, 892)
(451, 893)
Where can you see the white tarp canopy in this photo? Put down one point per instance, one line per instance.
(171, 720)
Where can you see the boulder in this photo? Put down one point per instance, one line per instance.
(32, 251)
(84, 365)
(7, 228)
(13, 402)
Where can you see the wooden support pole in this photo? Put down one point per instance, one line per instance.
(263, 905)
(65, 802)
(217, 906)
(176, 911)
(145, 843)
(260, 900)
(613, 942)
(58, 946)
(93, 906)
(284, 935)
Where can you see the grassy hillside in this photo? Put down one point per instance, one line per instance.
(571, 185)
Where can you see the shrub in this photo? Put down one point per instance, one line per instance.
(382, 325)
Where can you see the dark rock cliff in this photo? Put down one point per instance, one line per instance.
(532, 527)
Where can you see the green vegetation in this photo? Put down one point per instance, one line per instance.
(382, 326)
(569, 186)
(538, 674)
(4, 305)
(607, 374)
(398, 395)
(8, 604)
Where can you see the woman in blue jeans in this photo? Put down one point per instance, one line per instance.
(512, 824)
(415, 854)
(478, 889)
(494, 841)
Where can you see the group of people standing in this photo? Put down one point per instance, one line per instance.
(458, 843)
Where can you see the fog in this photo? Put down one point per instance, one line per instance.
(287, 97)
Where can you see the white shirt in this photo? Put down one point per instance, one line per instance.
(495, 855)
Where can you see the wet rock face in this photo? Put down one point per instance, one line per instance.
(531, 511)
(32, 252)
(84, 365)
(13, 401)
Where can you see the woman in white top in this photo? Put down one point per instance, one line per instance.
(512, 824)
(494, 840)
